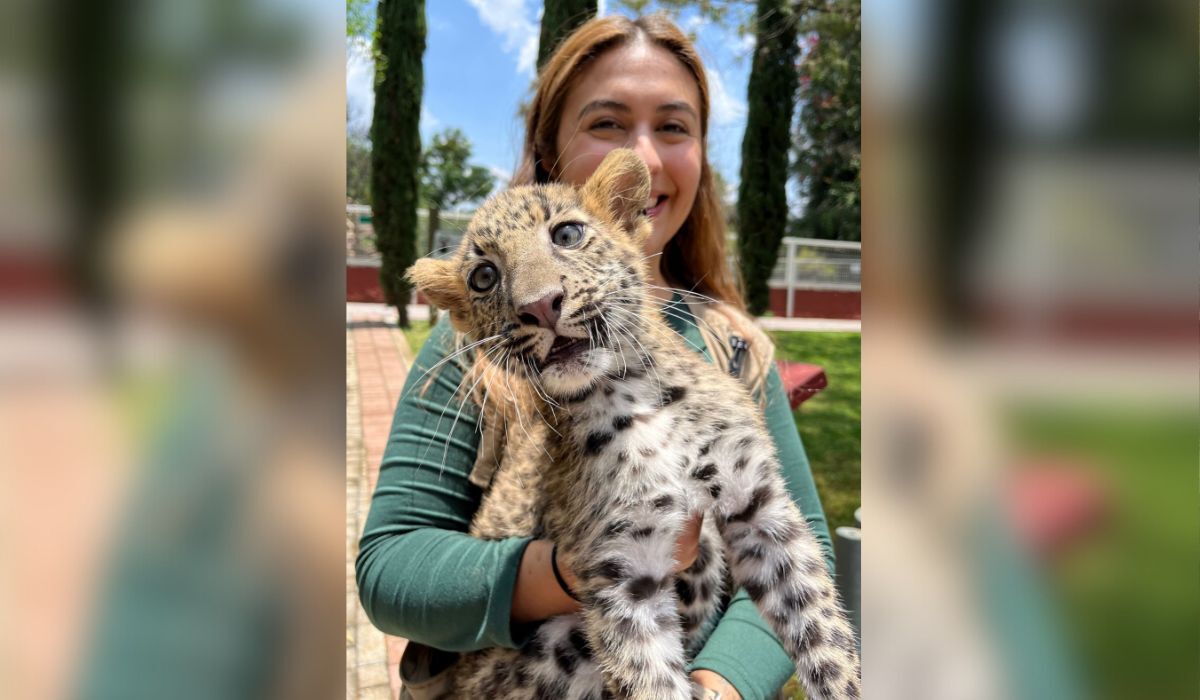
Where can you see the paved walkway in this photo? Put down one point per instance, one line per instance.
(774, 323)
(377, 361)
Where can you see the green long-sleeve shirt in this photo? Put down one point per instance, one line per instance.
(422, 577)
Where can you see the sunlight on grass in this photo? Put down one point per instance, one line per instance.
(829, 423)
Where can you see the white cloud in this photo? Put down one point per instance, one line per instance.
(501, 175)
(745, 45)
(428, 122)
(726, 109)
(694, 23)
(510, 19)
(601, 8)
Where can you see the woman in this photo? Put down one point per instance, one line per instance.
(614, 82)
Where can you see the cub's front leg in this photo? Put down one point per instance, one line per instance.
(625, 567)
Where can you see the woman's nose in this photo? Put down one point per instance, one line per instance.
(644, 146)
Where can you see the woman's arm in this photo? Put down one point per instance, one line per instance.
(420, 575)
(743, 649)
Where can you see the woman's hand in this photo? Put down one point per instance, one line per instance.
(713, 681)
(538, 596)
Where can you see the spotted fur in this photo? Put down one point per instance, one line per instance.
(620, 446)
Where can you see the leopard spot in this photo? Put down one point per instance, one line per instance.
(643, 587)
(597, 441)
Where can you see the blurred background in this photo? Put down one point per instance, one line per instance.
(171, 375)
(1029, 360)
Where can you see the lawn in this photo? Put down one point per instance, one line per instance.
(829, 423)
(416, 334)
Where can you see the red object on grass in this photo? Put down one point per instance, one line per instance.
(1056, 505)
(801, 381)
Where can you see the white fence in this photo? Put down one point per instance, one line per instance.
(812, 263)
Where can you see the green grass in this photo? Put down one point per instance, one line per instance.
(829, 423)
(1127, 596)
(416, 334)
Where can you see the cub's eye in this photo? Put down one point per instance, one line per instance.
(484, 277)
(567, 235)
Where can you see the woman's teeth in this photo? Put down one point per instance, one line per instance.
(653, 208)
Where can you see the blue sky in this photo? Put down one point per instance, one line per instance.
(479, 64)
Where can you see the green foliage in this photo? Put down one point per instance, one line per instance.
(447, 179)
(358, 20)
(560, 18)
(828, 155)
(717, 11)
(396, 142)
(762, 209)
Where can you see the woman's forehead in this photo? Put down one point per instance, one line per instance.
(638, 75)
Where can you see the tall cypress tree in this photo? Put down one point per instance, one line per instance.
(560, 18)
(396, 142)
(762, 210)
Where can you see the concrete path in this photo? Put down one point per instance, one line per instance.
(377, 362)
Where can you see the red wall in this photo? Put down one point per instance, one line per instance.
(818, 303)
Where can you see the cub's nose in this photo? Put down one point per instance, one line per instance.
(544, 312)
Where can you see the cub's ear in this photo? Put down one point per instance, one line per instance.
(618, 190)
(438, 280)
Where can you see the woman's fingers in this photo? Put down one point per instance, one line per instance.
(688, 544)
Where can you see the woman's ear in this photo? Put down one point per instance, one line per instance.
(619, 189)
(438, 280)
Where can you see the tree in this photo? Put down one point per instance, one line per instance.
(358, 21)
(396, 142)
(828, 155)
(560, 18)
(762, 193)
(447, 179)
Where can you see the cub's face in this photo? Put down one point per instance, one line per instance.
(548, 280)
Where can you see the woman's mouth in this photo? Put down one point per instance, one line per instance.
(654, 209)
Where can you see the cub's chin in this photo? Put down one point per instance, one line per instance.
(576, 374)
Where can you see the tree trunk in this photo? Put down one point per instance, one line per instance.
(430, 246)
(396, 143)
(762, 194)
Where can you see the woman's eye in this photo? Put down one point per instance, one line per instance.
(675, 128)
(606, 124)
(567, 235)
(484, 277)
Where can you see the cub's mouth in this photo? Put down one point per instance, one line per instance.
(564, 348)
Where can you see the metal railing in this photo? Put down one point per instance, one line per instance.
(811, 263)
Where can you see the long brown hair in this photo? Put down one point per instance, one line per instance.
(694, 259)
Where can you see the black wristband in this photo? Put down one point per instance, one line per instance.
(562, 582)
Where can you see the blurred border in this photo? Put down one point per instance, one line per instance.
(171, 360)
(1029, 377)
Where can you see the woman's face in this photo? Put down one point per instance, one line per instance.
(641, 97)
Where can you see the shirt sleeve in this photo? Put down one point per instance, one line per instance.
(420, 575)
(742, 648)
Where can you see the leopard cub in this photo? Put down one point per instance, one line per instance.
(639, 434)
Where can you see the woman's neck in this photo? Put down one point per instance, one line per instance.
(661, 289)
